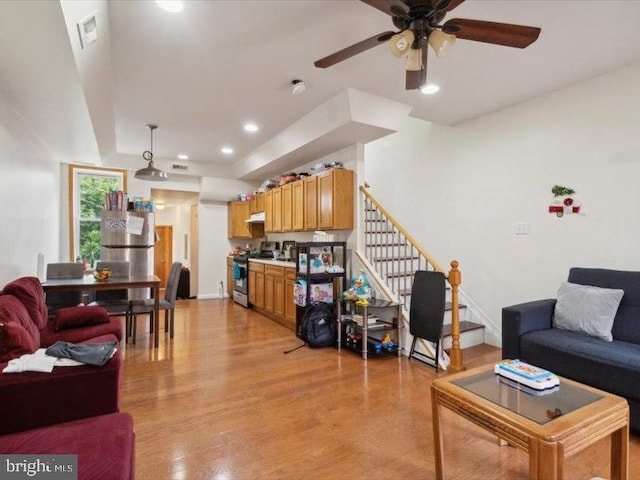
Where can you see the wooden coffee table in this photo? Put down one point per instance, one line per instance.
(550, 427)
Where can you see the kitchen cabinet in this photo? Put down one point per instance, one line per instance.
(276, 209)
(230, 276)
(297, 206)
(268, 211)
(237, 227)
(271, 291)
(256, 284)
(289, 305)
(310, 193)
(256, 205)
(335, 199)
(287, 207)
(274, 290)
(319, 202)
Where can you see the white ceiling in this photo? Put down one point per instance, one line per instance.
(201, 73)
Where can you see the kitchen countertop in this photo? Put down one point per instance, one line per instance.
(278, 263)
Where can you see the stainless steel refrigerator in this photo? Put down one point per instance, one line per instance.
(129, 236)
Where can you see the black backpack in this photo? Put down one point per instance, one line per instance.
(319, 326)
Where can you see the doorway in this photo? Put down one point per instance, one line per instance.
(163, 254)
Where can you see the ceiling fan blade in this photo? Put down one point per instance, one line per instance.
(386, 6)
(446, 5)
(505, 34)
(354, 49)
(415, 80)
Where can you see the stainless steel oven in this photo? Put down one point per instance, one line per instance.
(241, 282)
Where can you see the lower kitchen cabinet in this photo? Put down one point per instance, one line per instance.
(271, 292)
(256, 284)
(230, 276)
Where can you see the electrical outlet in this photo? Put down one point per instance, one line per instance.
(522, 228)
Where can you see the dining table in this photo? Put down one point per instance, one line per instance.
(89, 283)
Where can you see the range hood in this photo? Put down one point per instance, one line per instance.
(256, 218)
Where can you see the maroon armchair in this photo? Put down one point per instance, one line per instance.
(38, 399)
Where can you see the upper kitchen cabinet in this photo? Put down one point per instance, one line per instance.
(238, 227)
(335, 199)
(287, 207)
(256, 205)
(297, 208)
(268, 211)
(323, 201)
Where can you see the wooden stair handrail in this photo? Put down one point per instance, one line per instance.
(454, 277)
(436, 266)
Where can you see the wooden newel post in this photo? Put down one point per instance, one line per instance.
(455, 356)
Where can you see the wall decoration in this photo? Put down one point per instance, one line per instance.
(564, 201)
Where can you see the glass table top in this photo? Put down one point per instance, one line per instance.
(539, 406)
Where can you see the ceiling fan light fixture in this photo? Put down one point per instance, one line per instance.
(414, 60)
(400, 43)
(430, 89)
(150, 172)
(173, 6)
(441, 42)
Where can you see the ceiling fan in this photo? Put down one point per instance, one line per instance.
(419, 24)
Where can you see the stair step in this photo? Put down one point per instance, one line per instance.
(375, 220)
(380, 232)
(401, 273)
(397, 259)
(387, 244)
(465, 326)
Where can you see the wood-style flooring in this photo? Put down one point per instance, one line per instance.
(221, 401)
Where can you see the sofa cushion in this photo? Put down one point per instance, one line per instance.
(71, 317)
(626, 325)
(29, 291)
(49, 336)
(37, 399)
(15, 341)
(586, 309)
(105, 445)
(12, 310)
(611, 366)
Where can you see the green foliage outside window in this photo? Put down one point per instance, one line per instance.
(92, 188)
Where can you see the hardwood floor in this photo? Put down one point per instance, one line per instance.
(222, 401)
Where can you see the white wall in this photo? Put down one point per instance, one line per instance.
(460, 190)
(29, 198)
(213, 248)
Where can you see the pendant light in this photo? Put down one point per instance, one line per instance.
(150, 172)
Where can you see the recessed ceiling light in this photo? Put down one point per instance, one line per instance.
(227, 150)
(430, 89)
(183, 156)
(173, 6)
(251, 127)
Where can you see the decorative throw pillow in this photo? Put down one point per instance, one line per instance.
(71, 317)
(587, 309)
(15, 341)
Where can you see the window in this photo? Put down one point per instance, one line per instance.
(87, 189)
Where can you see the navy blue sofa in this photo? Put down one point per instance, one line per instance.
(527, 334)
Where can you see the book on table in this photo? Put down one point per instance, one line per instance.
(371, 319)
(526, 374)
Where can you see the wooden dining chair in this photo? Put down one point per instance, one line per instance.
(167, 304)
(62, 271)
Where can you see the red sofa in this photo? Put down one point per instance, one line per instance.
(105, 445)
(37, 399)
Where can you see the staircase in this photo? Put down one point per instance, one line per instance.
(392, 257)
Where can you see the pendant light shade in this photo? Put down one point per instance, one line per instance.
(150, 172)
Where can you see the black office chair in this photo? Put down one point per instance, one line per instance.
(426, 314)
